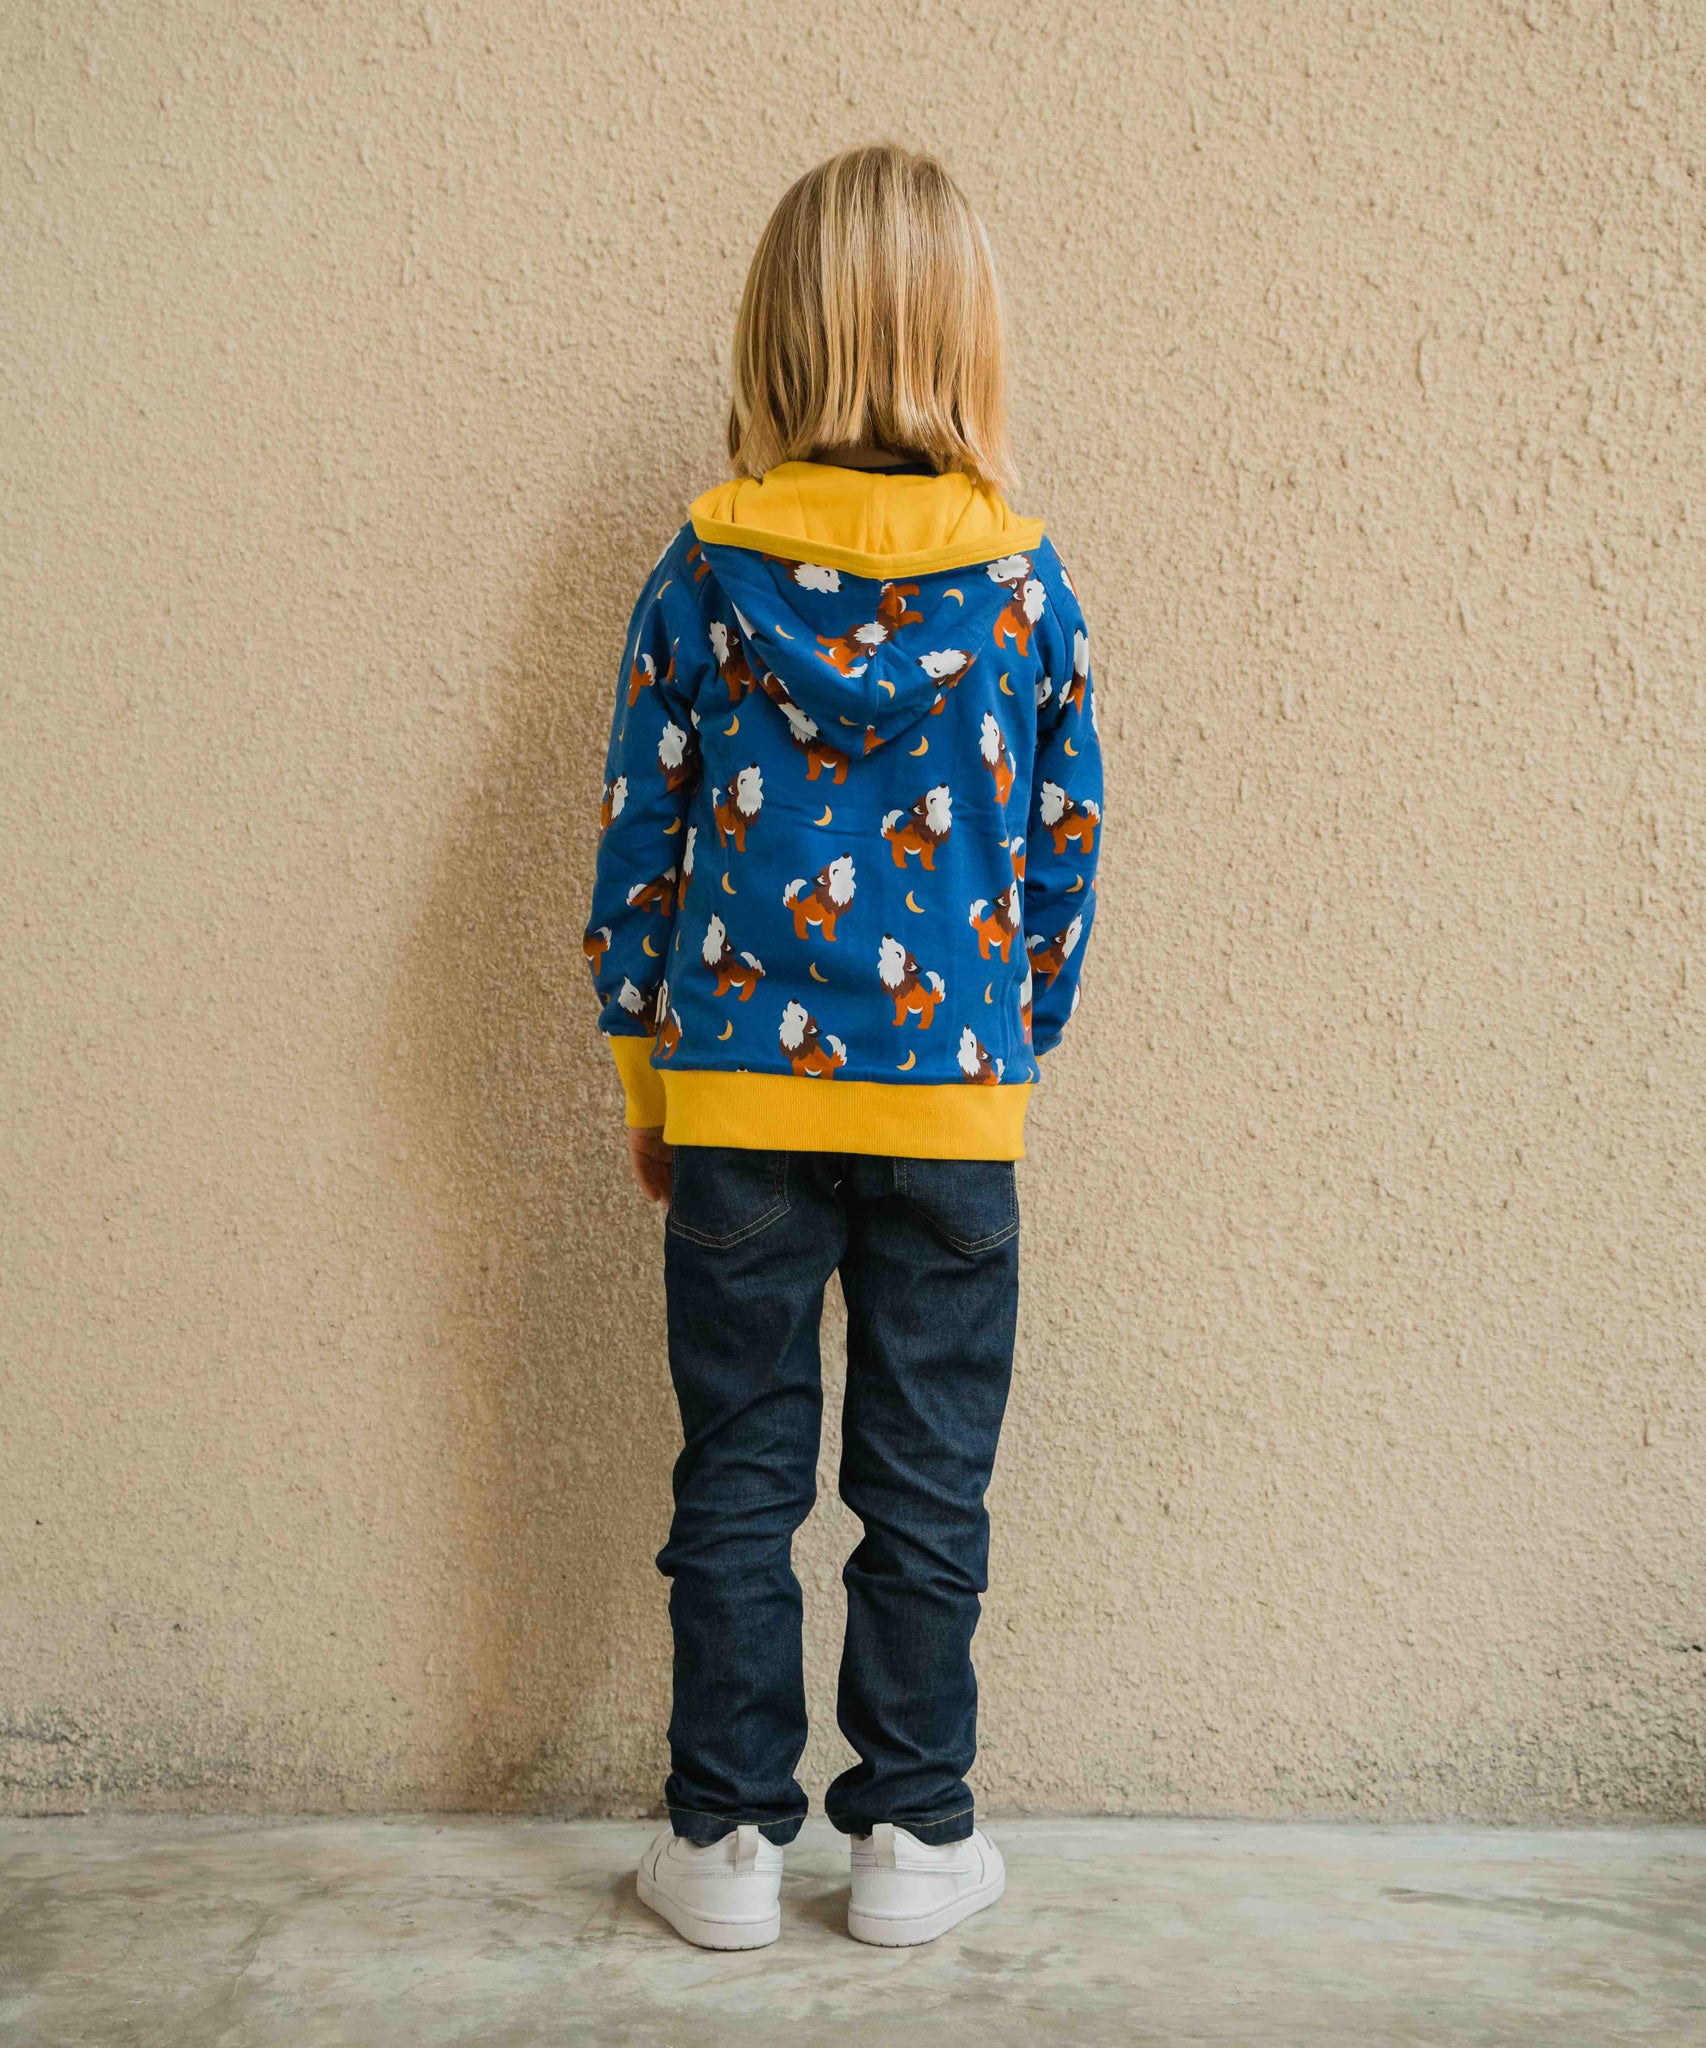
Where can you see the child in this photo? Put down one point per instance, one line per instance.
(852, 806)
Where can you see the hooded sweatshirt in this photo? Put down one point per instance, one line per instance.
(852, 811)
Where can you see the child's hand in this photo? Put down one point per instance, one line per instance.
(651, 1157)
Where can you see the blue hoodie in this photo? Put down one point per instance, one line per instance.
(852, 811)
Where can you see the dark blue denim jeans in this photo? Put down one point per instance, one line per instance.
(928, 1253)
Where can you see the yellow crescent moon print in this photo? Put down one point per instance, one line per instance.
(923, 747)
(727, 884)
(731, 728)
(728, 1030)
(815, 975)
(911, 905)
(828, 814)
(1077, 884)
(662, 587)
(646, 946)
(1070, 748)
(989, 992)
(1006, 687)
(911, 1060)
(777, 630)
(958, 596)
(673, 826)
(883, 683)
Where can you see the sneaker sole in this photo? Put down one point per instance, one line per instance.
(706, 1930)
(895, 1931)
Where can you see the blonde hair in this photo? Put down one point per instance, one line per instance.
(872, 317)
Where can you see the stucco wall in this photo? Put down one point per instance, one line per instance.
(356, 363)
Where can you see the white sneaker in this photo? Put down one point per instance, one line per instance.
(724, 1895)
(906, 1891)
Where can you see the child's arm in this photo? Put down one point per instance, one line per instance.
(651, 770)
(1063, 840)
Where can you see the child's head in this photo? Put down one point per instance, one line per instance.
(871, 318)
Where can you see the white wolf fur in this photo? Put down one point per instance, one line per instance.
(840, 872)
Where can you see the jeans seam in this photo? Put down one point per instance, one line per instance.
(705, 1813)
(910, 1826)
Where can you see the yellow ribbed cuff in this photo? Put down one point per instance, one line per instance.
(642, 1084)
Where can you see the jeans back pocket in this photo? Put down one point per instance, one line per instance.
(723, 1194)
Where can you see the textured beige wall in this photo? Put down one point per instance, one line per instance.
(356, 362)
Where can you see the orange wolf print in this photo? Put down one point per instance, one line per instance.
(914, 994)
(828, 896)
(808, 1050)
(851, 652)
(922, 829)
(742, 971)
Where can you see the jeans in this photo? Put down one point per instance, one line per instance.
(929, 1259)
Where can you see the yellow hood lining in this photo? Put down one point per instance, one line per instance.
(864, 521)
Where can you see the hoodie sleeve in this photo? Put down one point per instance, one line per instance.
(1063, 839)
(651, 769)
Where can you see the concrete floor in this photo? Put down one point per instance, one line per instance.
(510, 1933)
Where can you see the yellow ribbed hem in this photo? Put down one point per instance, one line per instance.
(642, 1084)
(864, 521)
(796, 1113)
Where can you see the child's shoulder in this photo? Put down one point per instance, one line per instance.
(1055, 574)
(681, 566)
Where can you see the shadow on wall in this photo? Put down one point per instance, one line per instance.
(548, 1343)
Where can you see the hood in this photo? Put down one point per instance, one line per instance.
(830, 573)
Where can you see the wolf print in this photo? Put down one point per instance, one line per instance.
(811, 576)
(921, 829)
(639, 1003)
(669, 1026)
(675, 757)
(997, 923)
(851, 653)
(641, 677)
(595, 945)
(1025, 1004)
(615, 796)
(913, 993)
(742, 971)
(1049, 956)
(696, 555)
(1067, 818)
(996, 758)
(975, 1062)
(1015, 853)
(732, 664)
(810, 1051)
(822, 900)
(688, 847)
(1025, 600)
(946, 667)
(737, 803)
(657, 894)
(808, 737)
(1072, 697)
